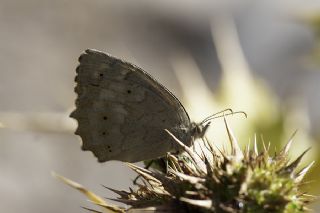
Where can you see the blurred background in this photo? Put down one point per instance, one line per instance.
(261, 57)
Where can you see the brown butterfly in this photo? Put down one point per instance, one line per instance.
(122, 111)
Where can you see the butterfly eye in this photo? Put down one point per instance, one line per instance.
(101, 75)
(128, 91)
(105, 117)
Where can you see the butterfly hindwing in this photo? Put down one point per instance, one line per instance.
(122, 111)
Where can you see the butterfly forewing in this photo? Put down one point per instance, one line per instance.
(122, 111)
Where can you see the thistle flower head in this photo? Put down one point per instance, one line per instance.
(214, 180)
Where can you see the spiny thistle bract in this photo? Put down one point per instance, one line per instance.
(208, 179)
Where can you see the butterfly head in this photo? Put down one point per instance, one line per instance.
(198, 130)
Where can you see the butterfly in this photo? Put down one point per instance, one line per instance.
(122, 111)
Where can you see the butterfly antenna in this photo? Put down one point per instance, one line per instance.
(217, 115)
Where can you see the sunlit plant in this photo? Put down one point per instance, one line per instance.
(210, 179)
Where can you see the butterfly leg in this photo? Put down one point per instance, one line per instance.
(167, 163)
(147, 166)
(160, 164)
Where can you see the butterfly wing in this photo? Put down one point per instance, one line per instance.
(122, 111)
